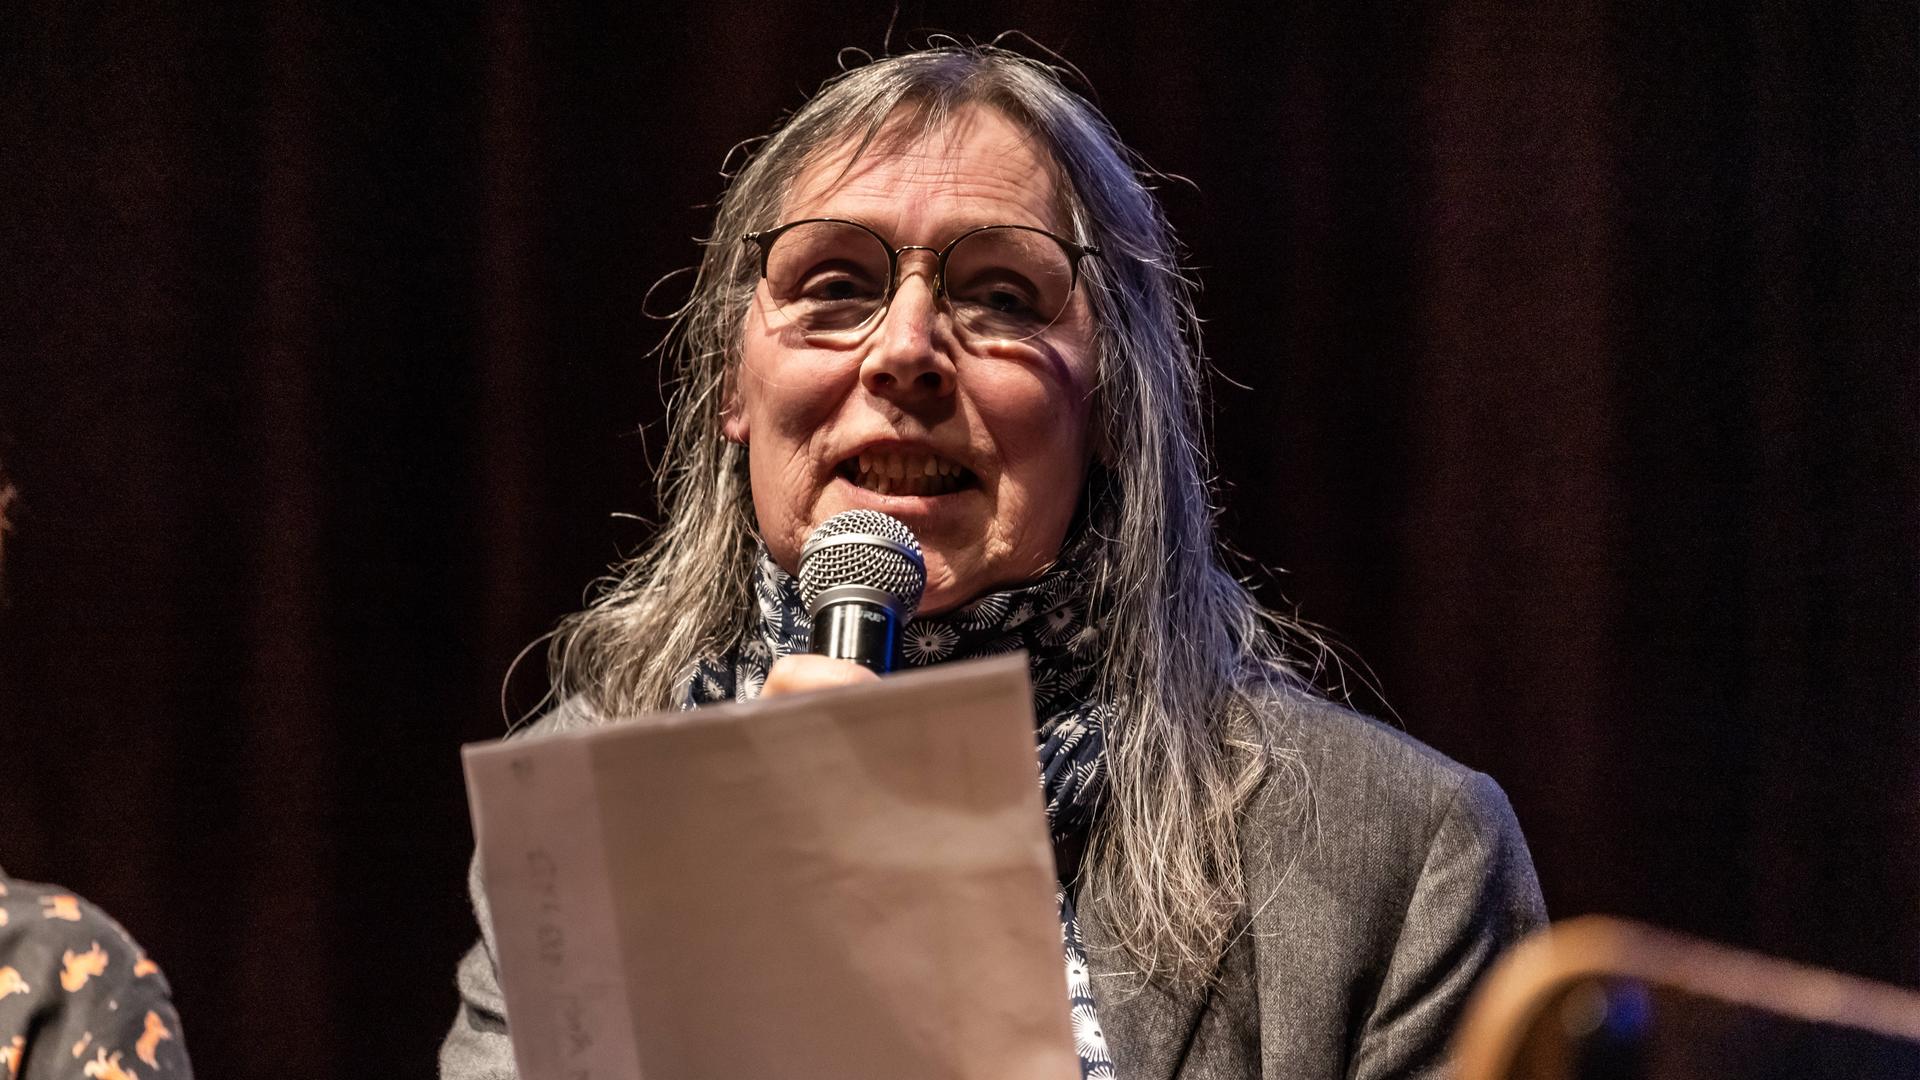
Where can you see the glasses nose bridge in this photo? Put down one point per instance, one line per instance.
(939, 268)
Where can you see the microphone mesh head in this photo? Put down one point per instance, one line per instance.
(864, 548)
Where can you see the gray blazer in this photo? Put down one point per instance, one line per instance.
(1385, 879)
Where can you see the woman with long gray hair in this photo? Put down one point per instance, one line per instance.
(941, 291)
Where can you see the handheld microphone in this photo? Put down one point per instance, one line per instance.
(861, 576)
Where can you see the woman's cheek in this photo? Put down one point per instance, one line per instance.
(1036, 425)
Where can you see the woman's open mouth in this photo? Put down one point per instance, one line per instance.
(906, 473)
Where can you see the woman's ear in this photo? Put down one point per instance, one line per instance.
(733, 411)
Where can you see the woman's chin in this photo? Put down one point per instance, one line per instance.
(951, 529)
(952, 580)
(929, 516)
(940, 601)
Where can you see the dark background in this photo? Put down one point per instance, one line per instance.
(1570, 365)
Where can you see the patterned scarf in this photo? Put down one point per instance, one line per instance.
(1047, 618)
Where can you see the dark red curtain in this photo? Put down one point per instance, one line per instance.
(1569, 364)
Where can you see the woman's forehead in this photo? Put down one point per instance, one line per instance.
(974, 167)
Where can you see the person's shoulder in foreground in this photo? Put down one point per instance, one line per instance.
(78, 996)
(1383, 879)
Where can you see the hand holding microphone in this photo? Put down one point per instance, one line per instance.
(861, 576)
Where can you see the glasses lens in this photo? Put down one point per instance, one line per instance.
(1008, 283)
(826, 276)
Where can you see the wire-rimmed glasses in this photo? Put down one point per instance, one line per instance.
(832, 278)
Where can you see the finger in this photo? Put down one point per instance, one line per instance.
(803, 672)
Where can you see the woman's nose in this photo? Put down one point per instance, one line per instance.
(908, 357)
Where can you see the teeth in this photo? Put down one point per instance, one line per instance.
(907, 474)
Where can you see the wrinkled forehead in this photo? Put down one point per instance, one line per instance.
(976, 149)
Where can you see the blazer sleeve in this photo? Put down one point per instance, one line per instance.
(477, 1047)
(1475, 896)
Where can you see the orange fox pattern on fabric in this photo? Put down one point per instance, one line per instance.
(75, 984)
(60, 907)
(105, 1068)
(77, 968)
(150, 1040)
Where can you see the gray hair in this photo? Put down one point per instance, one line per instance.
(1190, 660)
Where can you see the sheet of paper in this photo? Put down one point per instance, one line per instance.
(855, 883)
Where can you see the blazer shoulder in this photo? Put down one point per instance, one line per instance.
(1359, 808)
(571, 714)
(1356, 765)
(1382, 876)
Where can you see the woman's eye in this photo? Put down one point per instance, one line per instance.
(1006, 301)
(835, 286)
(1002, 295)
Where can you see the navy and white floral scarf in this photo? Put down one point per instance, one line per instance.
(1047, 618)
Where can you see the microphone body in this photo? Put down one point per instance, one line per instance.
(857, 630)
(861, 576)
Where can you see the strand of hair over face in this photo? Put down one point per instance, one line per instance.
(1194, 666)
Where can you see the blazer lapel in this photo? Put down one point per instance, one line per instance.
(1148, 1028)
